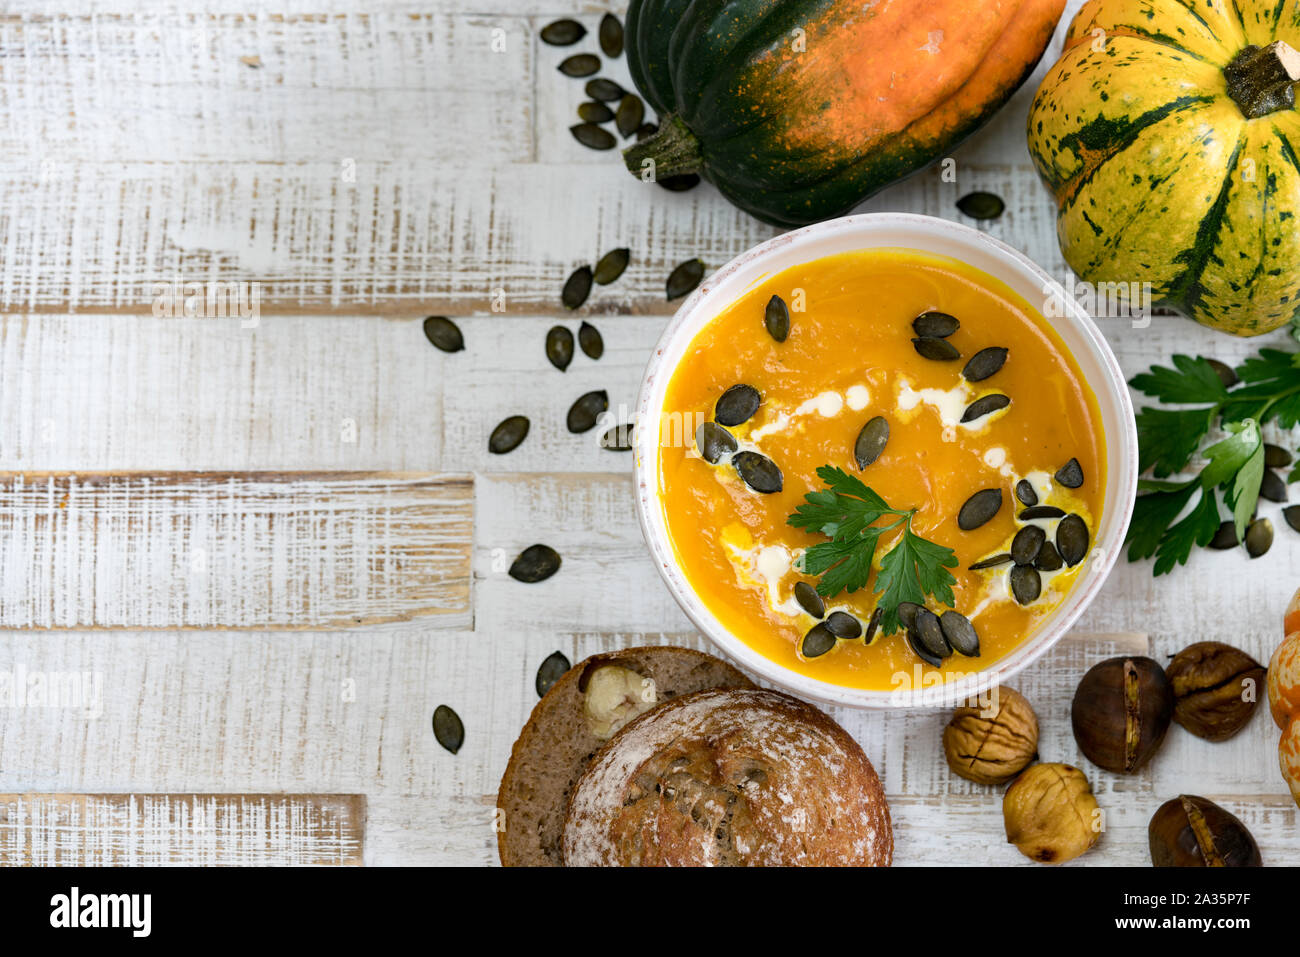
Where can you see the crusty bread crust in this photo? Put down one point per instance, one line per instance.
(738, 777)
(555, 745)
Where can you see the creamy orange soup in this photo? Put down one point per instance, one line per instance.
(850, 357)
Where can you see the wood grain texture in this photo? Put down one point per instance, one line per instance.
(202, 549)
(242, 830)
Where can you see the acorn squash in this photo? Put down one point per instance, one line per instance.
(797, 110)
(1169, 134)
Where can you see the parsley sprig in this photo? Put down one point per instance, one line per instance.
(847, 512)
(1168, 439)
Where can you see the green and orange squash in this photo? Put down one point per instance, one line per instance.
(797, 110)
(1169, 134)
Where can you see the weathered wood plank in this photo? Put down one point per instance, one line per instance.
(242, 830)
(198, 549)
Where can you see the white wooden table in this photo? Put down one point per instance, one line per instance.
(274, 548)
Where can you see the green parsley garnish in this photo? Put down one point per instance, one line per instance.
(1168, 439)
(846, 512)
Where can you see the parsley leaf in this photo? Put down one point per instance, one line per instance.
(1196, 528)
(1195, 381)
(911, 570)
(1168, 438)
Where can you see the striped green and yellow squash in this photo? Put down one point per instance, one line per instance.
(1168, 132)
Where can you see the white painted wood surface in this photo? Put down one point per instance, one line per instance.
(382, 163)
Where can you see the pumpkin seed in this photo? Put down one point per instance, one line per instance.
(579, 65)
(679, 183)
(444, 334)
(605, 90)
(993, 561)
(1292, 515)
(1040, 511)
(507, 436)
(817, 642)
(593, 346)
(559, 347)
(593, 111)
(1026, 584)
(935, 325)
(843, 625)
(714, 442)
(586, 410)
(1026, 492)
(1272, 487)
(984, 363)
(940, 350)
(979, 508)
(1225, 536)
(611, 266)
(563, 33)
(737, 404)
(646, 129)
(758, 472)
(907, 613)
(1276, 457)
(535, 563)
(593, 137)
(1259, 537)
(551, 670)
(684, 278)
(871, 441)
(1070, 474)
(809, 600)
(630, 113)
(960, 633)
(576, 288)
(447, 728)
(1027, 544)
(929, 633)
(611, 35)
(617, 439)
(1227, 375)
(985, 405)
(1072, 539)
(1049, 559)
(873, 625)
(981, 205)
(776, 319)
(914, 642)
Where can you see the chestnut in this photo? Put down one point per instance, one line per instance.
(1190, 831)
(1121, 711)
(1216, 688)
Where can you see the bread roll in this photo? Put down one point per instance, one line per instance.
(729, 777)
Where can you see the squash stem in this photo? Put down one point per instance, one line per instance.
(673, 151)
(1263, 80)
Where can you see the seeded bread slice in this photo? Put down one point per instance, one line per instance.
(558, 741)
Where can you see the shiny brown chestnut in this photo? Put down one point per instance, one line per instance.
(1121, 711)
(1216, 688)
(1190, 831)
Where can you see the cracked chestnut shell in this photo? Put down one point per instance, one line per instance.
(1190, 831)
(1121, 711)
(992, 749)
(1216, 688)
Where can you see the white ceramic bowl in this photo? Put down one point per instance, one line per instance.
(939, 236)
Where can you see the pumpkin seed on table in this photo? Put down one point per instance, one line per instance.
(1225, 536)
(960, 633)
(1226, 373)
(580, 65)
(611, 266)
(447, 728)
(1026, 584)
(589, 339)
(628, 116)
(758, 472)
(737, 405)
(985, 405)
(684, 278)
(1026, 492)
(1291, 514)
(1276, 457)
(935, 325)
(907, 613)
(1272, 487)
(981, 205)
(646, 129)
(939, 350)
(550, 671)
(508, 435)
(914, 642)
(1070, 474)
(984, 363)
(1027, 544)
(714, 442)
(586, 410)
(444, 334)
(776, 319)
(809, 599)
(979, 508)
(617, 439)
(576, 288)
(1072, 539)
(563, 33)
(611, 36)
(871, 441)
(535, 563)
(593, 137)
(1040, 511)
(843, 625)
(604, 90)
(817, 642)
(593, 111)
(1259, 537)
(873, 625)
(929, 632)
(679, 183)
(993, 561)
(1049, 559)
(559, 347)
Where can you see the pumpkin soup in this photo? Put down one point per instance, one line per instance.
(879, 460)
